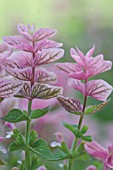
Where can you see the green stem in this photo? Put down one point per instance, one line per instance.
(76, 139)
(27, 152)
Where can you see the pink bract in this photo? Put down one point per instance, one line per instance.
(98, 89)
(35, 50)
(99, 152)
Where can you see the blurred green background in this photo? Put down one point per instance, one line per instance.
(79, 22)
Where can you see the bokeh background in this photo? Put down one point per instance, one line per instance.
(81, 23)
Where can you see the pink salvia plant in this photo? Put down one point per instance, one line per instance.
(24, 57)
(32, 50)
(79, 73)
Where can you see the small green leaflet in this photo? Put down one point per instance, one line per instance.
(41, 149)
(78, 133)
(15, 115)
(38, 113)
(14, 147)
(95, 108)
(2, 162)
(83, 156)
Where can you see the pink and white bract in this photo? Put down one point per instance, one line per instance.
(86, 67)
(35, 50)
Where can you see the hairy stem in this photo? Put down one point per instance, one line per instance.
(27, 152)
(76, 139)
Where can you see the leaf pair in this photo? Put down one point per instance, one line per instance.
(78, 133)
(74, 106)
(17, 115)
(40, 91)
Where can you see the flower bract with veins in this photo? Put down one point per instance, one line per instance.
(33, 50)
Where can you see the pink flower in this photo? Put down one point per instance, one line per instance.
(42, 168)
(104, 155)
(2, 139)
(59, 136)
(91, 168)
(86, 65)
(10, 125)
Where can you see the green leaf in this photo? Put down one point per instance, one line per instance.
(19, 138)
(64, 148)
(95, 108)
(33, 137)
(80, 148)
(70, 127)
(41, 149)
(73, 128)
(87, 138)
(14, 147)
(84, 129)
(15, 115)
(83, 156)
(38, 113)
(1, 99)
(35, 162)
(79, 134)
(2, 162)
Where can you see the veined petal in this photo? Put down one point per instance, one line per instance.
(18, 42)
(26, 90)
(80, 53)
(19, 59)
(78, 75)
(40, 91)
(93, 62)
(100, 68)
(25, 30)
(76, 57)
(5, 52)
(96, 150)
(48, 55)
(44, 44)
(90, 52)
(69, 67)
(45, 91)
(9, 88)
(44, 33)
(44, 76)
(70, 104)
(98, 89)
(22, 74)
(77, 84)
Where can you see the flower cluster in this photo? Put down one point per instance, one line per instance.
(86, 67)
(33, 49)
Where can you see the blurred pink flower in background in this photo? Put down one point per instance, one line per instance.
(100, 153)
(42, 168)
(91, 168)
